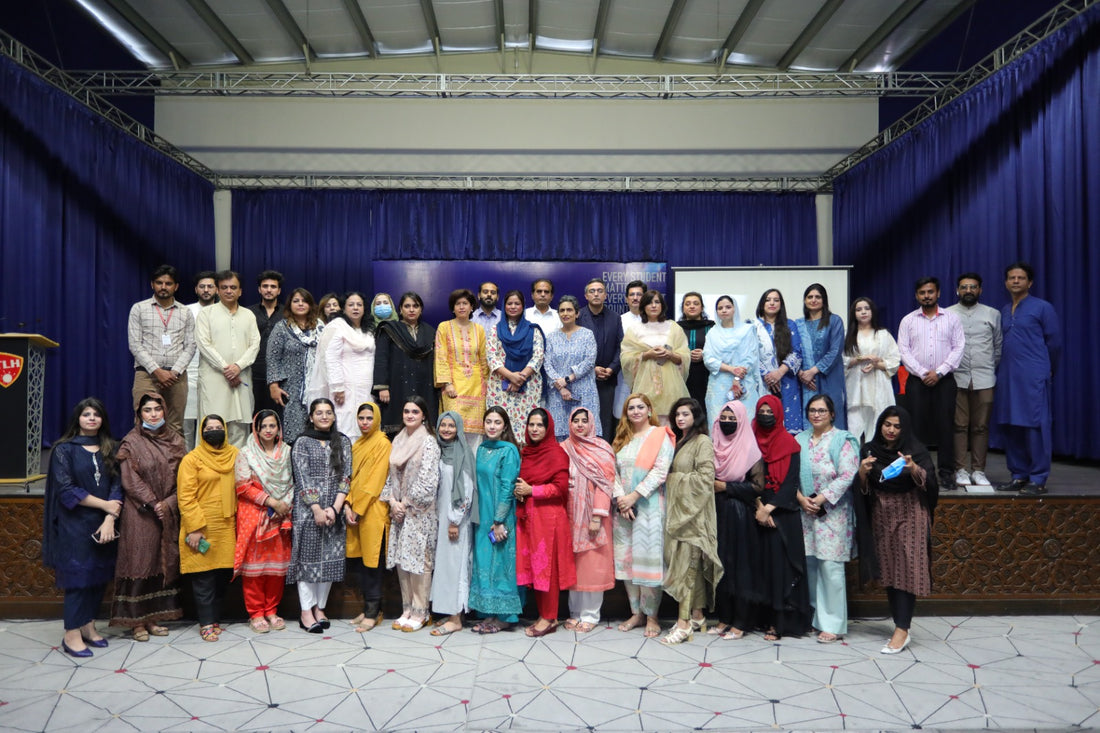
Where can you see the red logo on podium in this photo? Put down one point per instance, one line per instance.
(11, 366)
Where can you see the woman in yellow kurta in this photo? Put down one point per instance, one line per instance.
(368, 519)
(207, 497)
(462, 366)
(655, 356)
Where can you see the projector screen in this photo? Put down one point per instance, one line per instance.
(746, 284)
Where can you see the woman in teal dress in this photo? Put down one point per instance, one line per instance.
(493, 590)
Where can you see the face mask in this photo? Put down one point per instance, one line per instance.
(384, 310)
(214, 437)
(153, 426)
(728, 428)
(765, 421)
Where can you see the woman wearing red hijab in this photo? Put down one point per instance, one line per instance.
(544, 539)
(786, 608)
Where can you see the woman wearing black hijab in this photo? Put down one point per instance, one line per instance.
(901, 510)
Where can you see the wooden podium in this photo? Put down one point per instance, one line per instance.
(22, 384)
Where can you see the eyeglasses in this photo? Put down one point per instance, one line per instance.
(817, 411)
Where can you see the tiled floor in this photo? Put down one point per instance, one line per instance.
(960, 673)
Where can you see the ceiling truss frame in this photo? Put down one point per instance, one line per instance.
(146, 30)
(214, 22)
(776, 184)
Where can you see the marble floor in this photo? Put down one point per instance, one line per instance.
(997, 672)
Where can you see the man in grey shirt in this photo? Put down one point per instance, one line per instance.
(975, 378)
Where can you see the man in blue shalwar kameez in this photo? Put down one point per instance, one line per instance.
(1029, 358)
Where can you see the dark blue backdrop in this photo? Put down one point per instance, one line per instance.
(327, 240)
(1009, 171)
(86, 212)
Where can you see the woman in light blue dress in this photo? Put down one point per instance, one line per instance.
(732, 356)
(568, 363)
(822, 334)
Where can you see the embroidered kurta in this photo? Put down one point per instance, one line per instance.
(691, 527)
(571, 354)
(493, 589)
(263, 543)
(461, 359)
(639, 544)
(451, 578)
(347, 366)
(226, 338)
(735, 346)
(790, 389)
(516, 404)
(287, 360)
(317, 554)
(823, 348)
(544, 536)
(412, 541)
(829, 537)
(872, 392)
(664, 382)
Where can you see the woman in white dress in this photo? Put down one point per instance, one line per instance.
(451, 577)
(871, 359)
(344, 371)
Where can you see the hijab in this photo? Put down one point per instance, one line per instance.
(591, 461)
(732, 339)
(906, 444)
(221, 461)
(544, 462)
(456, 452)
(518, 345)
(153, 454)
(776, 444)
(273, 471)
(734, 454)
(370, 459)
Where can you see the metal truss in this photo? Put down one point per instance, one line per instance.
(1024, 41)
(47, 72)
(529, 183)
(553, 86)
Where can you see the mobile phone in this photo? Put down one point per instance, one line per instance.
(204, 545)
(821, 512)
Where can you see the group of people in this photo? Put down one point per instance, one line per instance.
(669, 486)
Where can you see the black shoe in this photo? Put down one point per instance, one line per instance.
(1016, 484)
(947, 482)
(325, 623)
(316, 628)
(1033, 490)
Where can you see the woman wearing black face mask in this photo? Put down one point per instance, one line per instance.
(207, 495)
(738, 485)
(786, 609)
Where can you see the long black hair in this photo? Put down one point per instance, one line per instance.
(826, 314)
(107, 444)
(851, 340)
(698, 425)
(781, 330)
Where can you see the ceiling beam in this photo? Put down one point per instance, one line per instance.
(938, 28)
(151, 34)
(807, 35)
(748, 15)
(601, 25)
(880, 34)
(351, 7)
(221, 30)
(428, 10)
(286, 20)
(671, 20)
(498, 14)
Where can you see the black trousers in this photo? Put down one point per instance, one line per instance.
(933, 410)
(902, 606)
(209, 588)
(605, 388)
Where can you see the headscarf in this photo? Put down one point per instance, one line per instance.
(776, 444)
(405, 457)
(693, 326)
(403, 339)
(907, 444)
(734, 340)
(221, 461)
(735, 454)
(393, 312)
(518, 345)
(155, 456)
(544, 462)
(591, 461)
(456, 452)
(370, 458)
(309, 340)
(274, 471)
(332, 435)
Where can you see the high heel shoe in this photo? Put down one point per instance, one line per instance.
(82, 654)
(891, 650)
(678, 635)
(97, 643)
(699, 625)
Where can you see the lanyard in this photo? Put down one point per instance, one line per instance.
(160, 314)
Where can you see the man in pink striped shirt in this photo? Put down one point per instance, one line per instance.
(931, 341)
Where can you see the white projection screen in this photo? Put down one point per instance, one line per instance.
(746, 284)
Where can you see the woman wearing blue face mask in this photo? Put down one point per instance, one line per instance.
(382, 309)
(147, 577)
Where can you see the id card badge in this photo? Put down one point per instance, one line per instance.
(166, 339)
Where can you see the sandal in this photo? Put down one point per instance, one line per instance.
(718, 630)
(444, 629)
(571, 624)
(259, 625)
(276, 623)
(732, 635)
(771, 635)
(358, 620)
(678, 635)
(584, 627)
(652, 631)
(157, 630)
(632, 623)
(826, 637)
(208, 633)
(217, 628)
(698, 624)
(141, 634)
(362, 626)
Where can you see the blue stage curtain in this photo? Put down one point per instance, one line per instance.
(1009, 171)
(86, 213)
(328, 239)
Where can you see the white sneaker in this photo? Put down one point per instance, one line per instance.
(979, 479)
(962, 478)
